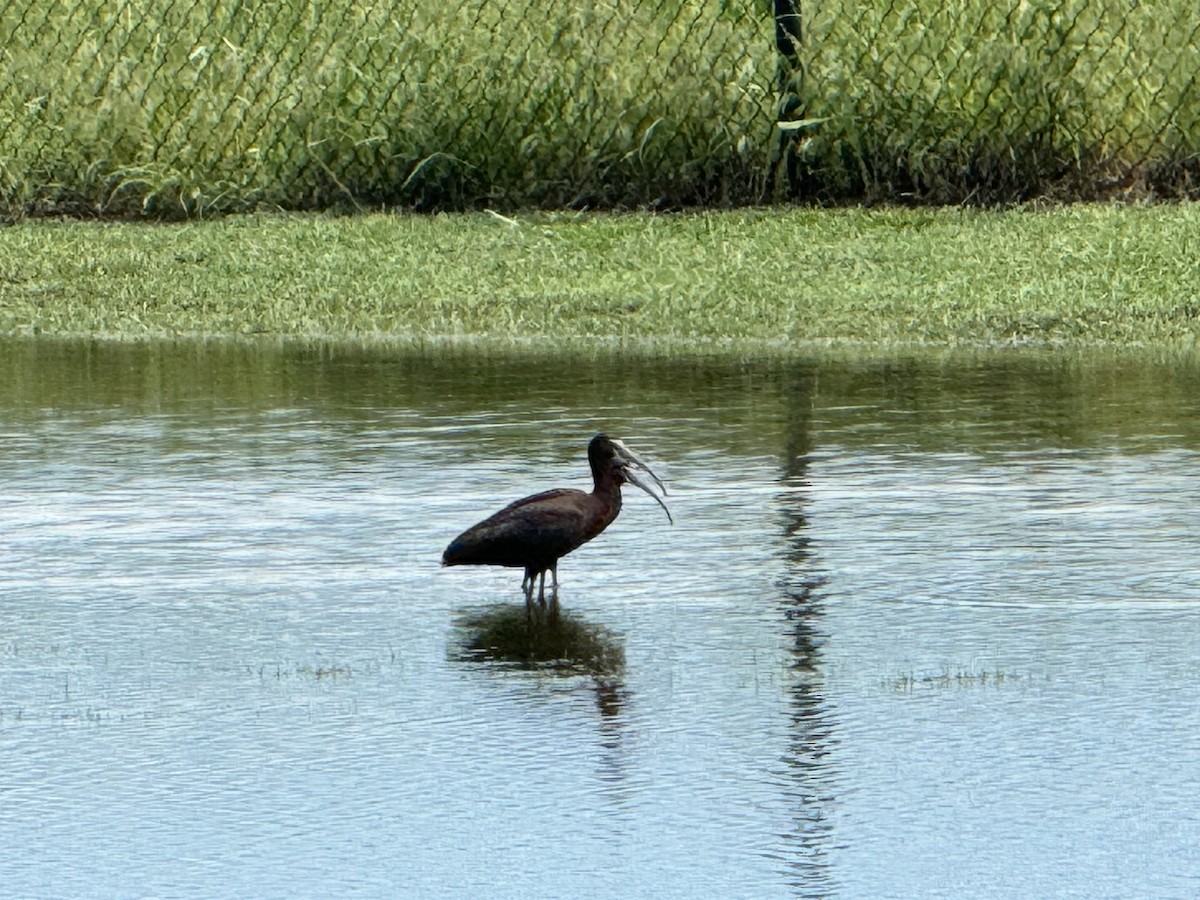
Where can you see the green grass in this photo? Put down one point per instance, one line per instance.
(217, 105)
(993, 100)
(127, 107)
(1077, 274)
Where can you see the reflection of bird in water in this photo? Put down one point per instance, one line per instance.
(536, 532)
(559, 643)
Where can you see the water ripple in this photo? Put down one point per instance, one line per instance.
(918, 630)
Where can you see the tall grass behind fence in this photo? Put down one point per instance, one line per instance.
(196, 106)
(1004, 98)
(212, 104)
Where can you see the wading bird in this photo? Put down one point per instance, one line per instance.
(536, 532)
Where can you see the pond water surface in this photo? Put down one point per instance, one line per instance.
(925, 626)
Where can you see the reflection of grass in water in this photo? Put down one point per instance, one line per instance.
(912, 682)
(559, 641)
(282, 671)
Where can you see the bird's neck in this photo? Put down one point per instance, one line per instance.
(608, 488)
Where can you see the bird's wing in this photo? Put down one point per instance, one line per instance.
(537, 501)
(537, 529)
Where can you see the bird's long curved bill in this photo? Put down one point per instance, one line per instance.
(631, 461)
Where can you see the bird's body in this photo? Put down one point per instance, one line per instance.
(537, 531)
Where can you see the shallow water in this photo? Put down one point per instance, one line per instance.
(924, 627)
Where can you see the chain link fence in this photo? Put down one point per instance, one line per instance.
(168, 107)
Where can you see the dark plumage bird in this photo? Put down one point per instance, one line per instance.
(536, 532)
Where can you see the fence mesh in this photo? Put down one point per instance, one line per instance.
(196, 106)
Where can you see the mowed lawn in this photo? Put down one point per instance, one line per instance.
(762, 278)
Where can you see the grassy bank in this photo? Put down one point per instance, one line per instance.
(1081, 274)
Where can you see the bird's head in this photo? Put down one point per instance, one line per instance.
(610, 455)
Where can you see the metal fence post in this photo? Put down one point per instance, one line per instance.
(788, 83)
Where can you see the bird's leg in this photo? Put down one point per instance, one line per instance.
(554, 588)
(527, 587)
